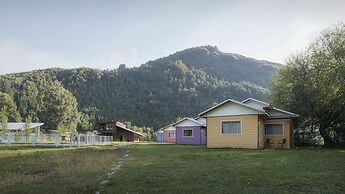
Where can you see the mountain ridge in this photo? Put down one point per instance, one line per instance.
(229, 63)
(157, 92)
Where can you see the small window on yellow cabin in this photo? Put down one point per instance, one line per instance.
(231, 127)
(274, 129)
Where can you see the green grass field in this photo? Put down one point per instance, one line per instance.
(54, 170)
(164, 168)
(167, 168)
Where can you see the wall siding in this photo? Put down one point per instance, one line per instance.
(199, 136)
(261, 132)
(277, 138)
(248, 138)
(166, 137)
(160, 137)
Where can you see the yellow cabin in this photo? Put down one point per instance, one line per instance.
(248, 124)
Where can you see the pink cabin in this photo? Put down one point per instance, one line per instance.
(169, 134)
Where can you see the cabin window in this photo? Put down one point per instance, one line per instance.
(171, 135)
(187, 132)
(274, 129)
(231, 127)
(160, 135)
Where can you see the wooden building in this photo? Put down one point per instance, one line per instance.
(190, 131)
(248, 124)
(169, 135)
(119, 131)
(160, 137)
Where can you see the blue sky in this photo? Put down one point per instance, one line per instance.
(40, 34)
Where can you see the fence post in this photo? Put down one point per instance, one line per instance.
(56, 140)
(10, 135)
(8, 139)
(33, 139)
(78, 140)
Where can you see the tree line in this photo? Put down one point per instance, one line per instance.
(152, 95)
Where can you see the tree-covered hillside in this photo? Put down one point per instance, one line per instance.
(228, 66)
(153, 95)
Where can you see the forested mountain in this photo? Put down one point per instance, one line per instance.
(228, 66)
(153, 95)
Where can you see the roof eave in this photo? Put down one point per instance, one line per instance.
(234, 101)
(192, 120)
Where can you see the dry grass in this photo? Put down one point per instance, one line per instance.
(54, 170)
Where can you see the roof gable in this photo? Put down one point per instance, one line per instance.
(201, 119)
(167, 127)
(255, 103)
(188, 122)
(170, 128)
(272, 111)
(231, 107)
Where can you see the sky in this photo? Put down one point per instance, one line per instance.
(103, 34)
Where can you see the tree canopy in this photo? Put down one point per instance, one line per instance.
(59, 110)
(312, 84)
(39, 98)
(9, 108)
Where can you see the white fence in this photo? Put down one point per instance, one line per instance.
(55, 140)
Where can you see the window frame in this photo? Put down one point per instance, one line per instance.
(188, 130)
(235, 120)
(171, 133)
(280, 123)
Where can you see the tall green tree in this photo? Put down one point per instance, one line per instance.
(28, 121)
(8, 106)
(4, 120)
(313, 85)
(59, 108)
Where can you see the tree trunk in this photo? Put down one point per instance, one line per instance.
(326, 137)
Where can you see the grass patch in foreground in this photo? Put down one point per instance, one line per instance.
(164, 168)
(54, 170)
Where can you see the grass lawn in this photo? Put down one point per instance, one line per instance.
(166, 168)
(54, 170)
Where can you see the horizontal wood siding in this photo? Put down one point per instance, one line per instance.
(248, 138)
(278, 138)
(168, 139)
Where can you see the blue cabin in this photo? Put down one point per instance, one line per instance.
(160, 137)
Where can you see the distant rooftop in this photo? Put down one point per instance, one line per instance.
(21, 126)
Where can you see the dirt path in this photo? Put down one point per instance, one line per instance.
(116, 167)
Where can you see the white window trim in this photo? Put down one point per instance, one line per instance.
(281, 123)
(188, 129)
(221, 124)
(171, 133)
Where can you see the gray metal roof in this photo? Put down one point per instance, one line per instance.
(20, 126)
